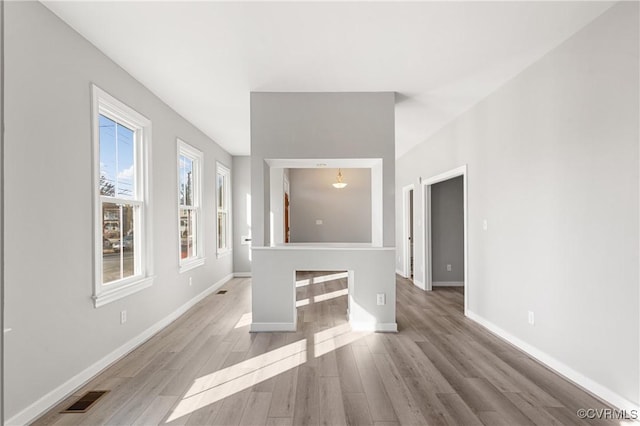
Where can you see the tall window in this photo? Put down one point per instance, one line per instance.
(223, 206)
(121, 138)
(189, 206)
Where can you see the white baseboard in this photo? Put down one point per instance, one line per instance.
(242, 274)
(49, 400)
(559, 367)
(261, 327)
(401, 273)
(419, 284)
(387, 327)
(447, 284)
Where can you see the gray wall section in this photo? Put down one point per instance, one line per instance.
(321, 125)
(346, 213)
(553, 167)
(447, 230)
(57, 332)
(241, 188)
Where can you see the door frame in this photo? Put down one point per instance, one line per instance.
(406, 265)
(427, 266)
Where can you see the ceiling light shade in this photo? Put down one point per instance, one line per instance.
(339, 184)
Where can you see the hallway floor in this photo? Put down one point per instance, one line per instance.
(440, 368)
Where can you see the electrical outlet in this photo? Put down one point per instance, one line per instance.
(190, 281)
(319, 222)
(531, 318)
(123, 317)
(449, 267)
(381, 299)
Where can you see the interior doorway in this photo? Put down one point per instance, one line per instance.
(408, 232)
(445, 240)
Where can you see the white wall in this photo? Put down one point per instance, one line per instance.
(321, 125)
(447, 231)
(345, 213)
(57, 333)
(553, 167)
(241, 189)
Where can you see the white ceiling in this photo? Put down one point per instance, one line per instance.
(204, 58)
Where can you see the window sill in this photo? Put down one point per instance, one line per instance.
(223, 253)
(112, 295)
(191, 264)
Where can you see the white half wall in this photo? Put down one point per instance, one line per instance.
(553, 169)
(370, 273)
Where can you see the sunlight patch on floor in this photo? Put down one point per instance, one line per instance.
(333, 338)
(221, 384)
(244, 320)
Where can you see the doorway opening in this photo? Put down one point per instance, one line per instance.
(445, 239)
(322, 297)
(408, 232)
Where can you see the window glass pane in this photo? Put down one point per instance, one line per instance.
(186, 181)
(221, 194)
(222, 230)
(118, 225)
(107, 132)
(187, 232)
(126, 171)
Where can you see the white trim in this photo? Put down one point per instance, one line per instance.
(242, 274)
(225, 171)
(105, 104)
(558, 367)
(447, 284)
(197, 157)
(121, 291)
(384, 327)
(52, 398)
(191, 264)
(406, 244)
(426, 218)
(419, 284)
(399, 272)
(261, 327)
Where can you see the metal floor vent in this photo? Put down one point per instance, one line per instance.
(222, 292)
(85, 402)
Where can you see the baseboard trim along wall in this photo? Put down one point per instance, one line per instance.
(242, 274)
(448, 284)
(48, 401)
(258, 327)
(559, 367)
(401, 273)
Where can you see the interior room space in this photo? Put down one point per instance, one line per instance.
(319, 213)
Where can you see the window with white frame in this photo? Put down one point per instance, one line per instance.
(121, 138)
(189, 206)
(223, 195)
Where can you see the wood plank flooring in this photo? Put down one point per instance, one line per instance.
(439, 369)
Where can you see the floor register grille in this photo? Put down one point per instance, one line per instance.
(85, 402)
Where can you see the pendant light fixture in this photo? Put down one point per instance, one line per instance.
(339, 184)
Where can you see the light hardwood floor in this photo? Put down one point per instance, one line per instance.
(441, 368)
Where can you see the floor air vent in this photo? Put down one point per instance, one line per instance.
(85, 402)
(222, 292)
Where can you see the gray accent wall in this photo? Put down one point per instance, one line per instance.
(56, 331)
(241, 189)
(447, 230)
(345, 213)
(321, 125)
(553, 168)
